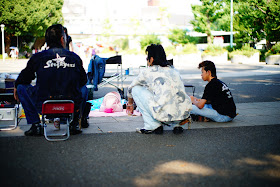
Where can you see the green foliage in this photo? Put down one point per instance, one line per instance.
(179, 36)
(23, 17)
(256, 20)
(122, 43)
(245, 50)
(275, 50)
(186, 49)
(134, 52)
(107, 28)
(206, 15)
(189, 48)
(148, 40)
(213, 50)
(25, 48)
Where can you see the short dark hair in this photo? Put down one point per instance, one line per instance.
(157, 52)
(53, 35)
(208, 66)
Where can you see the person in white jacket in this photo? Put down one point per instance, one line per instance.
(159, 93)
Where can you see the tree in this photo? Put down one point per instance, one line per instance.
(25, 17)
(256, 20)
(179, 36)
(206, 15)
(149, 39)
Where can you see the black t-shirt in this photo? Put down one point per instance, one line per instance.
(219, 96)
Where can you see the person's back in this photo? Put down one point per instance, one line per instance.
(58, 74)
(159, 93)
(168, 90)
(220, 97)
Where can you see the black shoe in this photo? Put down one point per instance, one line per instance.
(35, 130)
(194, 117)
(84, 123)
(178, 130)
(75, 129)
(158, 130)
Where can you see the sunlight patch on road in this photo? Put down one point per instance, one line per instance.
(168, 170)
(269, 167)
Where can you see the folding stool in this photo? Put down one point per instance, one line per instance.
(63, 109)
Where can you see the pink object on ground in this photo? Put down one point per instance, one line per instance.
(108, 110)
(97, 113)
(112, 100)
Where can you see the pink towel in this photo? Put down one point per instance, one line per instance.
(96, 113)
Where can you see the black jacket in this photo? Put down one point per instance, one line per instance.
(59, 72)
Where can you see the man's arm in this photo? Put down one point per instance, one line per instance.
(27, 74)
(198, 102)
(83, 75)
(25, 77)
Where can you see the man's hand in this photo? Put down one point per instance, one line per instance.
(198, 102)
(129, 109)
(194, 99)
(129, 106)
(16, 95)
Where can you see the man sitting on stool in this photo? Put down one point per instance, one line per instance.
(60, 75)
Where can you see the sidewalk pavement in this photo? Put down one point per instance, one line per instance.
(250, 114)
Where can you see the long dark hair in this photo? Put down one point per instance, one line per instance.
(157, 52)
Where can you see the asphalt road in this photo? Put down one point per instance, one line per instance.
(244, 156)
(264, 88)
(248, 89)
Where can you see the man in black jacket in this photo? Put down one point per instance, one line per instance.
(59, 74)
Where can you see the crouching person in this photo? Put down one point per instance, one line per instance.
(159, 93)
(59, 75)
(217, 102)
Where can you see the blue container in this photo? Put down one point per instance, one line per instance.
(127, 71)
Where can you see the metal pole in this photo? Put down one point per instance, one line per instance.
(3, 42)
(231, 23)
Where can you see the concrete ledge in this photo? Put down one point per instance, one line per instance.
(250, 114)
(273, 60)
(242, 59)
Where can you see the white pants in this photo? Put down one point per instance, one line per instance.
(142, 96)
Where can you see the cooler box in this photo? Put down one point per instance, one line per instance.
(7, 114)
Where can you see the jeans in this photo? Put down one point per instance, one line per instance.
(142, 97)
(209, 112)
(32, 108)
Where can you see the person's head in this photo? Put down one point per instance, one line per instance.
(156, 55)
(208, 70)
(55, 36)
(65, 30)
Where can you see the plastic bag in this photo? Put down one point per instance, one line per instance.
(111, 103)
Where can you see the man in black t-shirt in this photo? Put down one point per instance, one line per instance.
(217, 102)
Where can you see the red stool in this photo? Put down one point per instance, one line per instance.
(63, 109)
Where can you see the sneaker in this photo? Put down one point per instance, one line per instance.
(84, 123)
(178, 130)
(158, 130)
(35, 130)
